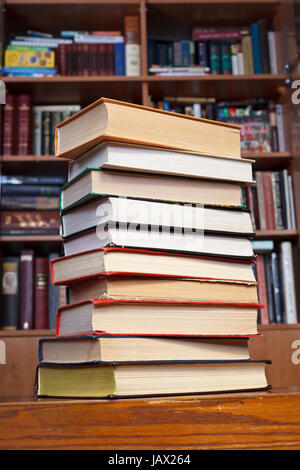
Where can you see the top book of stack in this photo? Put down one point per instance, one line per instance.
(115, 121)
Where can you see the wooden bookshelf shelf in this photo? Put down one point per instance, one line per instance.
(33, 158)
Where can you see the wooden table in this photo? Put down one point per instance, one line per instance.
(261, 420)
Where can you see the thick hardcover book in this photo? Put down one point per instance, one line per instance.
(10, 293)
(226, 58)
(102, 62)
(93, 59)
(24, 222)
(26, 289)
(276, 287)
(85, 60)
(101, 349)
(23, 123)
(149, 379)
(132, 45)
(62, 59)
(55, 118)
(288, 283)
(99, 122)
(41, 320)
(8, 138)
(214, 57)
(201, 35)
(68, 270)
(110, 58)
(248, 54)
(269, 285)
(157, 318)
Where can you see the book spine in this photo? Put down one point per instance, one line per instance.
(255, 205)
(240, 56)
(132, 45)
(30, 190)
(287, 198)
(94, 68)
(281, 128)
(261, 201)
(226, 58)
(292, 204)
(69, 51)
(257, 62)
(268, 200)
(288, 280)
(234, 60)
(273, 52)
(55, 118)
(10, 293)
(86, 68)
(23, 121)
(46, 133)
(269, 285)
(264, 45)
(110, 59)
(53, 298)
(248, 54)
(29, 221)
(214, 58)
(62, 59)
(262, 289)
(37, 132)
(8, 138)
(185, 47)
(278, 209)
(10, 203)
(273, 129)
(41, 293)
(102, 60)
(202, 54)
(276, 287)
(216, 35)
(119, 57)
(26, 289)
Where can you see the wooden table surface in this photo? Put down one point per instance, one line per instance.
(260, 420)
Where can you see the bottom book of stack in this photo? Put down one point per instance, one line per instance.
(120, 366)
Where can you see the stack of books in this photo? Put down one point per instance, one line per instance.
(158, 260)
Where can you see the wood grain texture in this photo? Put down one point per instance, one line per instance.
(268, 420)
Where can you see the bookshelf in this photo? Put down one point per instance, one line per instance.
(163, 18)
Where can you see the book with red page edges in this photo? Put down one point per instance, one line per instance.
(171, 255)
(78, 318)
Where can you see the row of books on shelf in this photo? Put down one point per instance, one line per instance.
(234, 50)
(271, 200)
(29, 300)
(275, 273)
(96, 53)
(30, 204)
(29, 129)
(237, 51)
(261, 121)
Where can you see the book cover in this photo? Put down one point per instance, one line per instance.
(41, 305)
(226, 58)
(132, 45)
(46, 133)
(247, 54)
(214, 57)
(23, 122)
(264, 45)
(268, 200)
(119, 59)
(26, 289)
(29, 222)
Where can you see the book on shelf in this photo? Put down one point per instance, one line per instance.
(98, 122)
(262, 126)
(132, 45)
(169, 257)
(219, 50)
(27, 288)
(28, 300)
(29, 222)
(271, 200)
(16, 125)
(117, 380)
(10, 292)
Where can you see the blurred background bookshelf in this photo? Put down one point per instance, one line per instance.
(190, 57)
